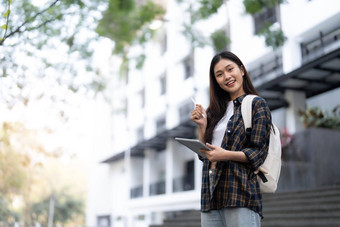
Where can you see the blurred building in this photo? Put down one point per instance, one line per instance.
(147, 176)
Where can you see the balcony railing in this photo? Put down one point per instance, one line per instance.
(184, 183)
(157, 188)
(264, 69)
(136, 192)
(324, 43)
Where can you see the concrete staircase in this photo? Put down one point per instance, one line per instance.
(190, 218)
(308, 208)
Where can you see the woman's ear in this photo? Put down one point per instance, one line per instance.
(242, 69)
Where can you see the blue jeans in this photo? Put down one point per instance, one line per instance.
(231, 217)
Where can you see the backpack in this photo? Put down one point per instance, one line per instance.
(269, 172)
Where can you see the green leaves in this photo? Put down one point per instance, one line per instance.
(123, 22)
(208, 7)
(316, 117)
(274, 37)
(255, 6)
(4, 26)
(219, 40)
(7, 13)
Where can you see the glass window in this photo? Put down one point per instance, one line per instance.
(188, 66)
(266, 17)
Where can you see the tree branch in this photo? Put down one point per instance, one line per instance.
(7, 21)
(18, 29)
(38, 26)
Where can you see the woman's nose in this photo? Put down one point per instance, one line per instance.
(227, 76)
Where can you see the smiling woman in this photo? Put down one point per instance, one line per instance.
(230, 192)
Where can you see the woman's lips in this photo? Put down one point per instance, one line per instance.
(230, 84)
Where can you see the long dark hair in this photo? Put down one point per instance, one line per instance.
(219, 97)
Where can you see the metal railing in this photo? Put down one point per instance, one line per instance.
(157, 188)
(136, 192)
(323, 44)
(185, 183)
(272, 66)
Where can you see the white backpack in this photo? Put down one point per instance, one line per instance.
(271, 167)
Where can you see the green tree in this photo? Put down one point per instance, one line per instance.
(20, 163)
(127, 23)
(274, 36)
(31, 174)
(67, 208)
(48, 42)
(7, 215)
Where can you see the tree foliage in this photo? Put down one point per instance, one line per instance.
(66, 208)
(23, 178)
(219, 40)
(44, 42)
(201, 10)
(125, 22)
(316, 117)
(273, 35)
(255, 6)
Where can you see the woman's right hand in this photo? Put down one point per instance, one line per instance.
(199, 116)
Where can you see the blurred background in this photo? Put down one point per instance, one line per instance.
(94, 91)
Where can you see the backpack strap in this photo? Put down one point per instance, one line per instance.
(246, 110)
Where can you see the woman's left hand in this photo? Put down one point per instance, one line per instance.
(216, 153)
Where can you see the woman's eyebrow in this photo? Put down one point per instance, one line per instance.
(221, 70)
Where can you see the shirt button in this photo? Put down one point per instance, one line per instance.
(228, 131)
(235, 101)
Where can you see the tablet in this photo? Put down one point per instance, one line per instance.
(194, 144)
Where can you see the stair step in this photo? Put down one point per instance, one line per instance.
(196, 224)
(309, 208)
(307, 201)
(181, 220)
(300, 223)
(302, 208)
(333, 215)
(311, 193)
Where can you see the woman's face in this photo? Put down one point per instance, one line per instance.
(229, 77)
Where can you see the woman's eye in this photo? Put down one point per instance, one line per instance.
(218, 75)
(230, 69)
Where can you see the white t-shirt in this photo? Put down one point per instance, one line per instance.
(221, 126)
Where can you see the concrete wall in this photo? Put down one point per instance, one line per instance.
(311, 160)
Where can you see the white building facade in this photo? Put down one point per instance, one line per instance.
(146, 175)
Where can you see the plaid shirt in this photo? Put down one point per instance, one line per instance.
(235, 184)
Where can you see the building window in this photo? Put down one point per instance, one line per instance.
(265, 17)
(140, 134)
(189, 66)
(162, 81)
(187, 181)
(160, 124)
(164, 44)
(185, 110)
(136, 192)
(142, 98)
(104, 221)
(157, 188)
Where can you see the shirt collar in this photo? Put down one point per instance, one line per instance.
(239, 99)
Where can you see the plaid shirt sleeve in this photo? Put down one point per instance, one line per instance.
(257, 148)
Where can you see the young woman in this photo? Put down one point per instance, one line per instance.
(230, 193)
